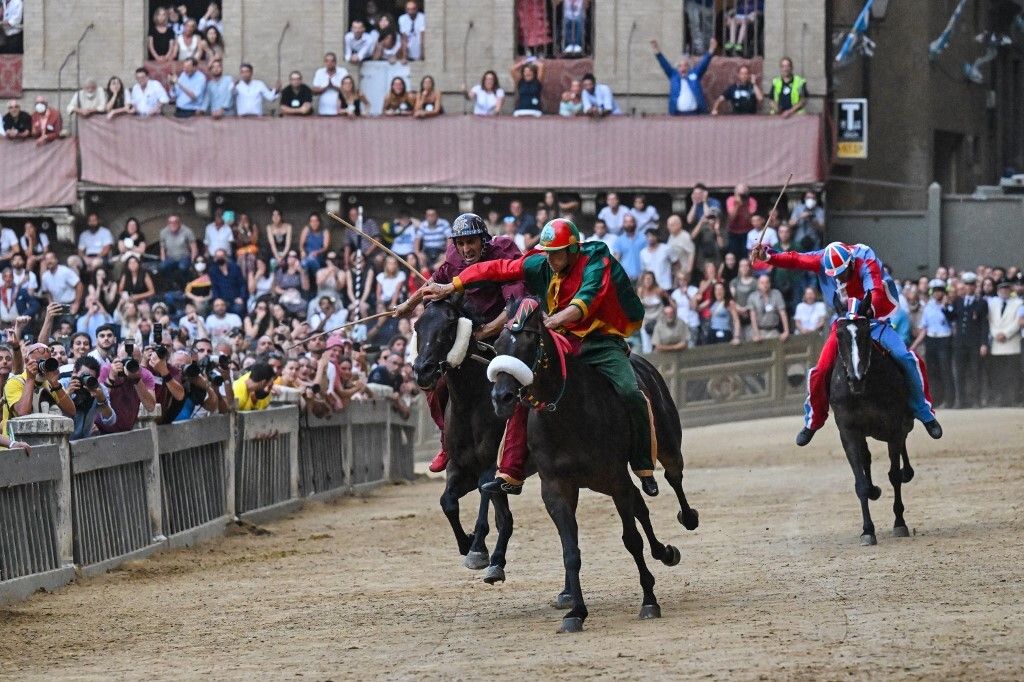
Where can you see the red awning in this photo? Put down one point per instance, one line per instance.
(652, 153)
(37, 177)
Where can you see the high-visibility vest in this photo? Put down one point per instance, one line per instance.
(797, 86)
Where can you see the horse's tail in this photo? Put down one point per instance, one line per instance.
(669, 433)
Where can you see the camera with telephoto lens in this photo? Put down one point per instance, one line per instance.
(49, 365)
(216, 378)
(192, 370)
(131, 365)
(88, 382)
(315, 388)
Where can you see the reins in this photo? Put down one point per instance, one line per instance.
(542, 361)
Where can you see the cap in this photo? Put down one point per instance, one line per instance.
(969, 278)
(714, 211)
(1005, 284)
(334, 342)
(160, 306)
(937, 284)
(34, 347)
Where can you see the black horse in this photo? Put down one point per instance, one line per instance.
(583, 443)
(870, 399)
(472, 432)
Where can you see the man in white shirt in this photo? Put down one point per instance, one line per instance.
(411, 26)
(358, 43)
(771, 236)
(220, 322)
(613, 213)
(656, 258)
(23, 277)
(61, 284)
(249, 93)
(95, 243)
(646, 216)
(218, 234)
(680, 244)
(601, 234)
(8, 245)
(327, 84)
(597, 99)
(147, 95)
(328, 316)
(12, 27)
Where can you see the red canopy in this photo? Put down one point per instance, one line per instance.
(652, 153)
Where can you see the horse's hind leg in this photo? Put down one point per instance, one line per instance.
(560, 499)
(860, 461)
(896, 449)
(503, 521)
(477, 558)
(666, 554)
(624, 504)
(673, 463)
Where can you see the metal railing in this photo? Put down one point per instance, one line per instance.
(30, 521)
(195, 457)
(115, 498)
(96, 502)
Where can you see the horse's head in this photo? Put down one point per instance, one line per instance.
(442, 337)
(519, 349)
(853, 334)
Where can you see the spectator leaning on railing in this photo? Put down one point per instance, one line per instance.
(686, 94)
(130, 385)
(91, 398)
(252, 389)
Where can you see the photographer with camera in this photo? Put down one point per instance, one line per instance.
(130, 385)
(37, 386)
(169, 389)
(198, 390)
(92, 401)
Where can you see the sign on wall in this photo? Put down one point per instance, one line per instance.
(852, 137)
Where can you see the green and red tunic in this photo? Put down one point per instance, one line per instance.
(595, 283)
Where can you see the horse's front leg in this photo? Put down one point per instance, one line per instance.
(456, 486)
(503, 521)
(560, 499)
(896, 448)
(477, 557)
(857, 453)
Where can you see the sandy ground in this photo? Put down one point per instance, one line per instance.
(772, 585)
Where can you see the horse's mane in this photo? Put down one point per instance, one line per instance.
(458, 303)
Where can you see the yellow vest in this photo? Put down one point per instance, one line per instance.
(794, 93)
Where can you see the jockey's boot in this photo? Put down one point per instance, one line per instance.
(933, 428)
(649, 486)
(499, 486)
(440, 462)
(804, 437)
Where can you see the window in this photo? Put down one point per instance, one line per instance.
(11, 24)
(738, 25)
(554, 28)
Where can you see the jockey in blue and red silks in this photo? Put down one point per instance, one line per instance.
(845, 272)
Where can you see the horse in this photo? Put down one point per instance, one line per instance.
(577, 442)
(472, 432)
(869, 398)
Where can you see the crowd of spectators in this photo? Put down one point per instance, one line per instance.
(223, 318)
(198, 86)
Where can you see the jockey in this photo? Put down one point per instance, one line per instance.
(585, 291)
(847, 272)
(470, 243)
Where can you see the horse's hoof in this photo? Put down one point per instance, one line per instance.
(901, 532)
(494, 574)
(908, 474)
(476, 561)
(563, 601)
(571, 625)
(649, 611)
(867, 540)
(874, 493)
(671, 557)
(688, 518)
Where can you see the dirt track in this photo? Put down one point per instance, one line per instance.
(773, 583)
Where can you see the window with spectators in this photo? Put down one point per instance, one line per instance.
(737, 24)
(178, 30)
(11, 25)
(385, 30)
(554, 28)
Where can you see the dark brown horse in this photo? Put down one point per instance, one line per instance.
(869, 398)
(472, 432)
(583, 443)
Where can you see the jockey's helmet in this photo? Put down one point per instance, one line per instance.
(559, 234)
(470, 225)
(836, 258)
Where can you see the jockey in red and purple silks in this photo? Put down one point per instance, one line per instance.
(845, 272)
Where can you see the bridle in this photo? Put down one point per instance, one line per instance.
(540, 361)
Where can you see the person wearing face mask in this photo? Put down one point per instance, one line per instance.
(808, 223)
(227, 282)
(46, 122)
(252, 389)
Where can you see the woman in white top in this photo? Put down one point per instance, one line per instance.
(810, 313)
(188, 41)
(389, 285)
(487, 97)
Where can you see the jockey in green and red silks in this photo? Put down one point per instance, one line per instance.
(586, 292)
